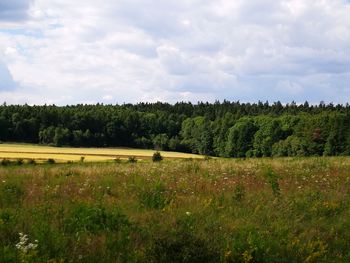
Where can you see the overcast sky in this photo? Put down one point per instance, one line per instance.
(115, 51)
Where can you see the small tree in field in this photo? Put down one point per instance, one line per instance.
(157, 157)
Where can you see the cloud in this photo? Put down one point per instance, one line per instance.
(6, 81)
(132, 50)
(14, 10)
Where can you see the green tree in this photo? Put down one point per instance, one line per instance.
(160, 141)
(61, 137)
(269, 133)
(240, 138)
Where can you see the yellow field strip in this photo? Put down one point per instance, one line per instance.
(57, 157)
(37, 151)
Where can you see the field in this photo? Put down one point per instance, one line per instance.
(217, 210)
(64, 154)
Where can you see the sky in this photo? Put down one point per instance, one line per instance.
(127, 51)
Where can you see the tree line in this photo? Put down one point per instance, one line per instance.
(228, 129)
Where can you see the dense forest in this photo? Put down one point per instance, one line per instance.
(228, 129)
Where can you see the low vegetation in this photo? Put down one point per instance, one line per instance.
(214, 210)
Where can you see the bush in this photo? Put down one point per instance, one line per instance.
(5, 162)
(31, 161)
(19, 161)
(157, 157)
(50, 161)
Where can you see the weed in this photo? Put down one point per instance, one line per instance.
(95, 218)
(272, 178)
(10, 193)
(182, 246)
(239, 192)
(155, 197)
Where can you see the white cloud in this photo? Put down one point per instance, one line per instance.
(65, 52)
(6, 80)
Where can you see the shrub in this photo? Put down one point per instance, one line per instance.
(31, 161)
(5, 162)
(272, 178)
(50, 161)
(157, 157)
(239, 192)
(19, 161)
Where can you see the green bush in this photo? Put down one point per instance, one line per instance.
(5, 162)
(31, 161)
(19, 161)
(157, 157)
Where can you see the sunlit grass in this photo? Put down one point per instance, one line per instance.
(220, 210)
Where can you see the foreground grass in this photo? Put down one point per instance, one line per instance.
(62, 154)
(258, 210)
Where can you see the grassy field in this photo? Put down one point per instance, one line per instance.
(63, 154)
(254, 210)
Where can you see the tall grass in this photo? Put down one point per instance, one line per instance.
(254, 210)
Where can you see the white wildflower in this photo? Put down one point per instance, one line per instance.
(24, 245)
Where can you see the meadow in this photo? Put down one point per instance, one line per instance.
(181, 210)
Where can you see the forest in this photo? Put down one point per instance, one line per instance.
(226, 129)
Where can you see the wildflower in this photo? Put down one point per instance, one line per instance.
(24, 245)
(188, 213)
